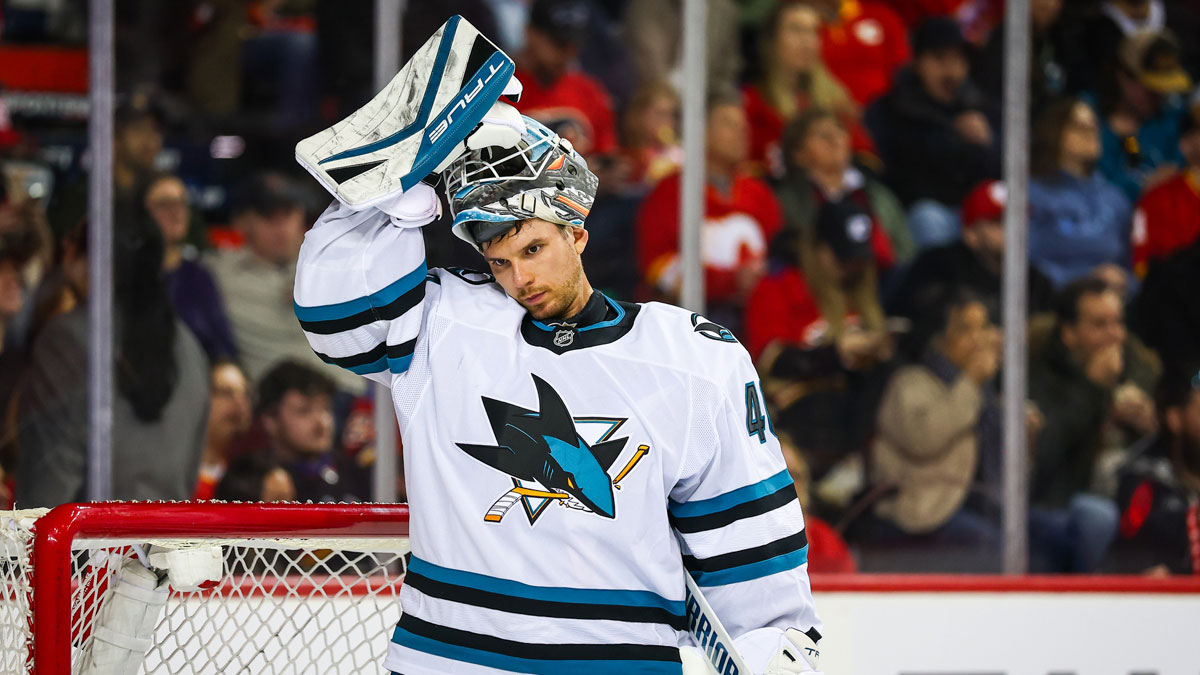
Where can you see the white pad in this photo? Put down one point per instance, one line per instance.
(502, 127)
(189, 566)
(124, 628)
(407, 129)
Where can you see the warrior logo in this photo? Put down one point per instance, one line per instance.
(545, 449)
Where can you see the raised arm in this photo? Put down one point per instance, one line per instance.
(360, 286)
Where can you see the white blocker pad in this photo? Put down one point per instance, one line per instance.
(402, 134)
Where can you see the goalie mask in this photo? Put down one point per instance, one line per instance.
(493, 188)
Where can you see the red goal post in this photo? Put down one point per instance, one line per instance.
(278, 562)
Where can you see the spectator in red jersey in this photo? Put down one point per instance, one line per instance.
(864, 43)
(556, 92)
(229, 416)
(650, 135)
(1168, 216)
(1159, 491)
(793, 80)
(817, 333)
(741, 217)
(937, 133)
(827, 550)
(817, 155)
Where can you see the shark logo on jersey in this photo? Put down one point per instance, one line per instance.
(711, 330)
(548, 458)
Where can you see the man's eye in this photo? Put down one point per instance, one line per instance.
(534, 249)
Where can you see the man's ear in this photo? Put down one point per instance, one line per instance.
(579, 237)
(1174, 419)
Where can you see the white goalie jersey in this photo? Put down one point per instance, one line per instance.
(562, 478)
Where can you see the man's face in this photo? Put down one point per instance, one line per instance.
(229, 402)
(1101, 324)
(138, 143)
(276, 237)
(539, 266)
(986, 239)
(1189, 145)
(11, 298)
(303, 424)
(942, 72)
(546, 58)
(728, 135)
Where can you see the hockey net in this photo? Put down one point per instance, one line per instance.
(282, 588)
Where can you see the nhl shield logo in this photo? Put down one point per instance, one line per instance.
(564, 337)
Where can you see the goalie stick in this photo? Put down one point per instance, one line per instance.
(710, 635)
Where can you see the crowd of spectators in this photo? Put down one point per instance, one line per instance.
(852, 239)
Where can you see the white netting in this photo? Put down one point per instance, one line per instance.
(282, 605)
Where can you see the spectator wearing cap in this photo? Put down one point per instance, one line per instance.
(193, 291)
(864, 43)
(1085, 373)
(740, 216)
(1141, 106)
(1078, 220)
(816, 147)
(1167, 218)
(939, 433)
(556, 92)
(937, 132)
(1159, 492)
(1166, 312)
(1090, 40)
(256, 280)
(817, 332)
(137, 141)
(793, 79)
(974, 263)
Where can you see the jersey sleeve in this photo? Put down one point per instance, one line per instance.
(360, 291)
(735, 510)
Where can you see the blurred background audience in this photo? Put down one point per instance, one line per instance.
(852, 239)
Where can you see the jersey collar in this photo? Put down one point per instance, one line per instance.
(601, 321)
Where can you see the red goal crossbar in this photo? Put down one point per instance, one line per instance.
(56, 531)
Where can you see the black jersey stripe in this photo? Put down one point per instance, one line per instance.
(757, 507)
(747, 556)
(547, 608)
(386, 312)
(538, 651)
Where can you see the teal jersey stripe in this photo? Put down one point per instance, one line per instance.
(587, 596)
(399, 365)
(380, 298)
(729, 500)
(758, 570)
(377, 366)
(538, 667)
